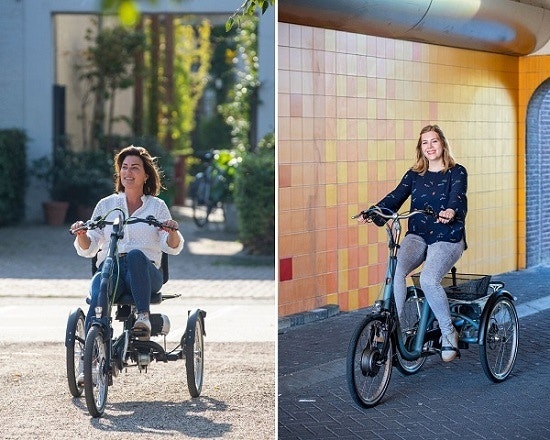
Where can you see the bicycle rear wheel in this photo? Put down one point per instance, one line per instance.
(74, 350)
(193, 343)
(96, 378)
(499, 339)
(368, 370)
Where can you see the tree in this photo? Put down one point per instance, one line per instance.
(108, 67)
(247, 9)
(193, 53)
(240, 108)
(128, 11)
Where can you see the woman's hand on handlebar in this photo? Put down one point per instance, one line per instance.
(446, 216)
(78, 228)
(170, 226)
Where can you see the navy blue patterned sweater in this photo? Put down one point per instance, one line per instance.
(439, 191)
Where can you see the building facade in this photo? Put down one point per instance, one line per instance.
(29, 67)
(350, 109)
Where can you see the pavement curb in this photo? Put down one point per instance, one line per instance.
(297, 319)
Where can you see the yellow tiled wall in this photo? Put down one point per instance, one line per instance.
(350, 108)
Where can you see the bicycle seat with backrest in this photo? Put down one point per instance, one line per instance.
(156, 297)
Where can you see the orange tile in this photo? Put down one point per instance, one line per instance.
(284, 175)
(332, 282)
(332, 239)
(343, 301)
(363, 299)
(353, 234)
(332, 260)
(296, 105)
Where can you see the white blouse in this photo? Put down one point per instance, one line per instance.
(149, 239)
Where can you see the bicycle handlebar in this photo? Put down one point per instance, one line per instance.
(375, 210)
(100, 223)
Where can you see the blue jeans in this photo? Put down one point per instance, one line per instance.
(138, 276)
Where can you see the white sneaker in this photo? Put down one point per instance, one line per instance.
(80, 377)
(449, 346)
(142, 326)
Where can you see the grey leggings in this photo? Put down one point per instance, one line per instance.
(438, 260)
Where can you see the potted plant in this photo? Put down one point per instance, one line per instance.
(75, 180)
(90, 178)
(49, 170)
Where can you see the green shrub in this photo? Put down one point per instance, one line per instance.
(80, 178)
(13, 174)
(255, 199)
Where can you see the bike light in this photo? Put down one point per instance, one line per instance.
(377, 306)
(98, 311)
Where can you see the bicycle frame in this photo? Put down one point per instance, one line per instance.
(387, 304)
(102, 315)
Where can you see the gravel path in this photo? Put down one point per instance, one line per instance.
(237, 401)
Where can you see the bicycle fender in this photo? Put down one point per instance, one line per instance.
(489, 305)
(412, 290)
(71, 326)
(191, 322)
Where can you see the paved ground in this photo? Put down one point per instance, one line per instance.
(443, 401)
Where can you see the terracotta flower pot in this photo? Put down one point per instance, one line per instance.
(55, 212)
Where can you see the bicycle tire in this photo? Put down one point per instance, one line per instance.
(96, 378)
(499, 338)
(74, 350)
(409, 328)
(201, 205)
(193, 343)
(368, 373)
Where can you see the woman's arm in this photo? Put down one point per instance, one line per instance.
(458, 201)
(395, 199)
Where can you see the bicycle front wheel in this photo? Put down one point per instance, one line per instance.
(368, 369)
(96, 378)
(500, 334)
(201, 204)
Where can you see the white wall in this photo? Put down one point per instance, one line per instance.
(11, 64)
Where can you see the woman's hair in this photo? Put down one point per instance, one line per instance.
(421, 165)
(152, 185)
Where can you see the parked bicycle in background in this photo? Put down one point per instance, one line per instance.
(211, 187)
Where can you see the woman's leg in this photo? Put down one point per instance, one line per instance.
(94, 296)
(440, 258)
(143, 278)
(411, 255)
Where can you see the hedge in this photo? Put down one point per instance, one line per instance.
(13, 175)
(255, 201)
